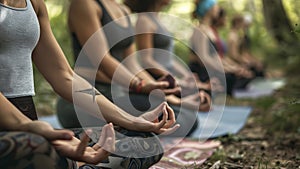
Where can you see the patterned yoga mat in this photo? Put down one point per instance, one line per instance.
(186, 153)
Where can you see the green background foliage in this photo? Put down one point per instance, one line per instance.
(264, 46)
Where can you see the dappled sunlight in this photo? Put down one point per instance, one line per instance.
(54, 8)
(292, 9)
(181, 8)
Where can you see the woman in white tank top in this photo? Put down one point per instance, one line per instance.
(26, 35)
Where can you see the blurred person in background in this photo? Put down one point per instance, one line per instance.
(109, 22)
(157, 54)
(221, 45)
(204, 53)
(239, 45)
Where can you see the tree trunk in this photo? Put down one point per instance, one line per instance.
(277, 22)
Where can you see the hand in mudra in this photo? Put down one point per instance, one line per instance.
(149, 122)
(78, 150)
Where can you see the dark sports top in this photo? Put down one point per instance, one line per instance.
(118, 37)
(212, 47)
(163, 44)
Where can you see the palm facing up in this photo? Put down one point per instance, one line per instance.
(78, 150)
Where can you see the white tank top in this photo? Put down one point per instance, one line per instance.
(19, 34)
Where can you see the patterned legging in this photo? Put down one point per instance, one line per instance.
(21, 150)
(134, 150)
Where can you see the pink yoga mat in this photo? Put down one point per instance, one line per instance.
(185, 153)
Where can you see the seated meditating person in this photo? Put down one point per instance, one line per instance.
(239, 46)
(204, 55)
(26, 142)
(157, 52)
(123, 82)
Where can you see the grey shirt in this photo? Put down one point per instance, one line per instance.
(19, 34)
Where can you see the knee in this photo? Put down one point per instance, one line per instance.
(22, 146)
(140, 151)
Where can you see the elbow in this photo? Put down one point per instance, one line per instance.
(63, 86)
(145, 62)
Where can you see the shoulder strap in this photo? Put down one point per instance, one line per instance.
(105, 14)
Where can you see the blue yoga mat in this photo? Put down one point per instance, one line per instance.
(219, 123)
(259, 87)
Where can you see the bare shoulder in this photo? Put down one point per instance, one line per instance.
(232, 36)
(144, 20)
(145, 24)
(36, 5)
(84, 6)
(82, 9)
(198, 32)
(126, 9)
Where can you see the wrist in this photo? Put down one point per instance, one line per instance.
(23, 126)
(172, 99)
(133, 83)
(136, 85)
(131, 123)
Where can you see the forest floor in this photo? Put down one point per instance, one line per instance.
(271, 137)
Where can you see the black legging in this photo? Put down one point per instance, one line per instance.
(232, 81)
(203, 75)
(25, 105)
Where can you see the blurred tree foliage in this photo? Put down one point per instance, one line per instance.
(264, 45)
(45, 97)
(277, 22)
(58, 18)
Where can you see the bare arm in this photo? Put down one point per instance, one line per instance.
(86, 12)
(181, 70)
(13, 120)
(131, 60)
(132, 64)
(89, 74)
(11, 117)
(53, 65)
(144, 40)
(201, 43)
(233, 47)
